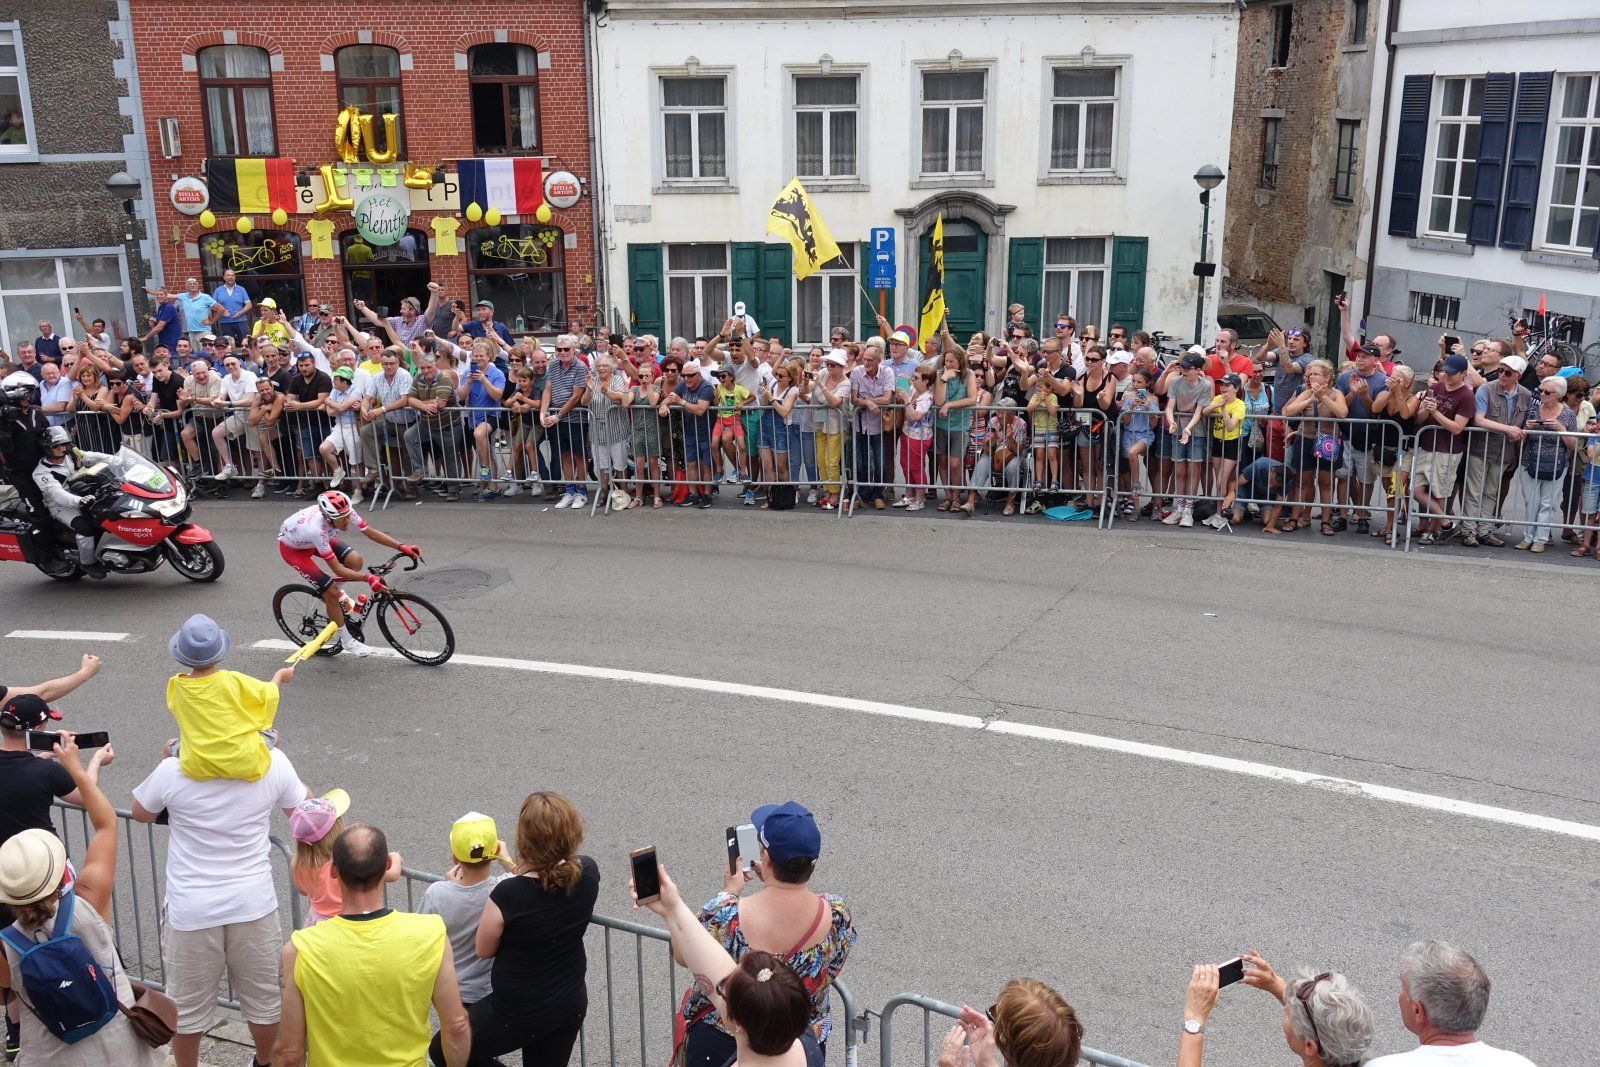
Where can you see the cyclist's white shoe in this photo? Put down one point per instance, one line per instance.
(352, 646)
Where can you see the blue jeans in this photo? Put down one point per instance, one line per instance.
(871, 464)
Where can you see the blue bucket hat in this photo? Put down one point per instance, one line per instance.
(788, 831)
(199, 642)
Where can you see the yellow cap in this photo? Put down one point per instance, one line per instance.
(473, 838)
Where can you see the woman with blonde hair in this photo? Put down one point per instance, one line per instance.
(1029, 1025)
(1316, 445)
(533, 928)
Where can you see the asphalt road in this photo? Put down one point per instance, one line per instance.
(970, 856)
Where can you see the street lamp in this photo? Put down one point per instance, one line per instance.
(126, 187)
(1207, 178)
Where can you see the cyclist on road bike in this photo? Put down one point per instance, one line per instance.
(313, 532)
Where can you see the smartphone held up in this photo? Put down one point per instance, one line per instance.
(646, 876)
(47, 740)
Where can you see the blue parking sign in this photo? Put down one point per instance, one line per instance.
(881, 267)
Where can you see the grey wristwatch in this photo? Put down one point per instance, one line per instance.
(1192, 1027)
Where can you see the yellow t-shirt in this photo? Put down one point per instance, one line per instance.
(728, 400)
(1044, 418)
(220, 717)
(1233, 409)
(276, 332)
(371, 367)
(367, 985)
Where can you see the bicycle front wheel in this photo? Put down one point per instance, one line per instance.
(417, 630)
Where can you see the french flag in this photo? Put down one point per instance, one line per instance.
(512, 186)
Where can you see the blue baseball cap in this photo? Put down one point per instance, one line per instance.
(788, 831)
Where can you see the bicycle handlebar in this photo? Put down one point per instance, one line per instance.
(381, 569)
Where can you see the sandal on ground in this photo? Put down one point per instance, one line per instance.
(1363, 526)
(967, 510)
(1339, 522)
(633, 502)
(1327, 529)
(1579, 553)
(1302, 524)
(944, 505)
(658, 503)
(1010, 508)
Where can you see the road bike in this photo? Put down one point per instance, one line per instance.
(1553, 340)
(417, 630)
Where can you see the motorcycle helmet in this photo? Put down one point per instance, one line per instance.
(334, 504)
(19, 387)
(56, 437)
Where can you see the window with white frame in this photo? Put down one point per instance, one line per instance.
(16, 133)
(1431, 309)
(47, 289)
(1075, 278)
(952, 122)
(1455, 156)
(697, 290)
(825, 110)
(1573, 215)
(827, 299)
(694, 123)
(1083, 118)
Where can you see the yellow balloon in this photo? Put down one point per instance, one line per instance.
(474, 212)
(207, 219)
(492, 216)
(543, 214)
(279, 216)
(332, 197)
(244, 225)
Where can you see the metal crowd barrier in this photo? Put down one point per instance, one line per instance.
(1493, 489)
(137, 912)
(930, 1040)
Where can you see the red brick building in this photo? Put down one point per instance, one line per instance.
(254, 83)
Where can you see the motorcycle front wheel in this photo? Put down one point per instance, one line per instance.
(198, 563)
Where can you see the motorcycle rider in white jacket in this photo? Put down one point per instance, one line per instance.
(61, 461)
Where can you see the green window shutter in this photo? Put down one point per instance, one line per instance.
(1025, 279)
(1128, 257)
(746, 280)
(772, 305)
(869, 309)
(646, 304)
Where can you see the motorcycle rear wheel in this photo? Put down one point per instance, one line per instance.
(61, 569)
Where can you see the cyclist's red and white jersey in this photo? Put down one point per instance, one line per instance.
(309, 530)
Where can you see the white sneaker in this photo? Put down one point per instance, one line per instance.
(565, 501)
(1172, 517)
(580, 501)
(228, 471)
(902, 502)
(535, 486)
(1214, 521)
(338, 476)
(352, 646)
(731, 478)
(355, 497)
(811, 497)
(259, 491)
(1186, 518)
(513, 489)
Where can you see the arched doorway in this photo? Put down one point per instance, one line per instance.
(383, 275)
(974, 228)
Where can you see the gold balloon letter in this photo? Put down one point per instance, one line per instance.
(390, 137)
(417, 177)
(331, 198)
(347, 134)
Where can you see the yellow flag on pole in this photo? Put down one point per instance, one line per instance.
(310, 648)
(794, 218)
(933, 304)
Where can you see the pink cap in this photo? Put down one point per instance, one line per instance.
(313, 817)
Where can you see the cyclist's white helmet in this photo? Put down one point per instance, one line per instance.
(334, 504)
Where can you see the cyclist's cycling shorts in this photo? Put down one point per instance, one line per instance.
(304, 560)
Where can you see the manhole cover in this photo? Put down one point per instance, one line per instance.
(450, 581)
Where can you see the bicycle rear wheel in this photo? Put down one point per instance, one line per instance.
(416, 629)
(302, 615)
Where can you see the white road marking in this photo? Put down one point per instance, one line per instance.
(1207, 761)
(70, 635)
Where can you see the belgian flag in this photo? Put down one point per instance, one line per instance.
(240, 186)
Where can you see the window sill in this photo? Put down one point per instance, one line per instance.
(952, 183)
(31, 155)
(1341, 203)
(835, 185)
(697, 190)
(1443, 245)
(1564, 260)
(1348, 48)
(1083, 179)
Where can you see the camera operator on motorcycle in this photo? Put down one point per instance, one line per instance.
(21, 424)
(54, 473)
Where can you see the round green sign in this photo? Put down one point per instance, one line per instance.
(381, 216)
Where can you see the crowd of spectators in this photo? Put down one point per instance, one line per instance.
(495, 949)
(1485, 447)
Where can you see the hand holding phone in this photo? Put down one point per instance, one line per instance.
(1230, 972)
(47, 740)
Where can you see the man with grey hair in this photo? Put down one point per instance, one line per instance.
(1444, 994)
(566, 391)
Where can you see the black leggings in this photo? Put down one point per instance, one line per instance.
(545, 1040)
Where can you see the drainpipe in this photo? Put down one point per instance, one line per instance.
(1392, 23)
(589, 11)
